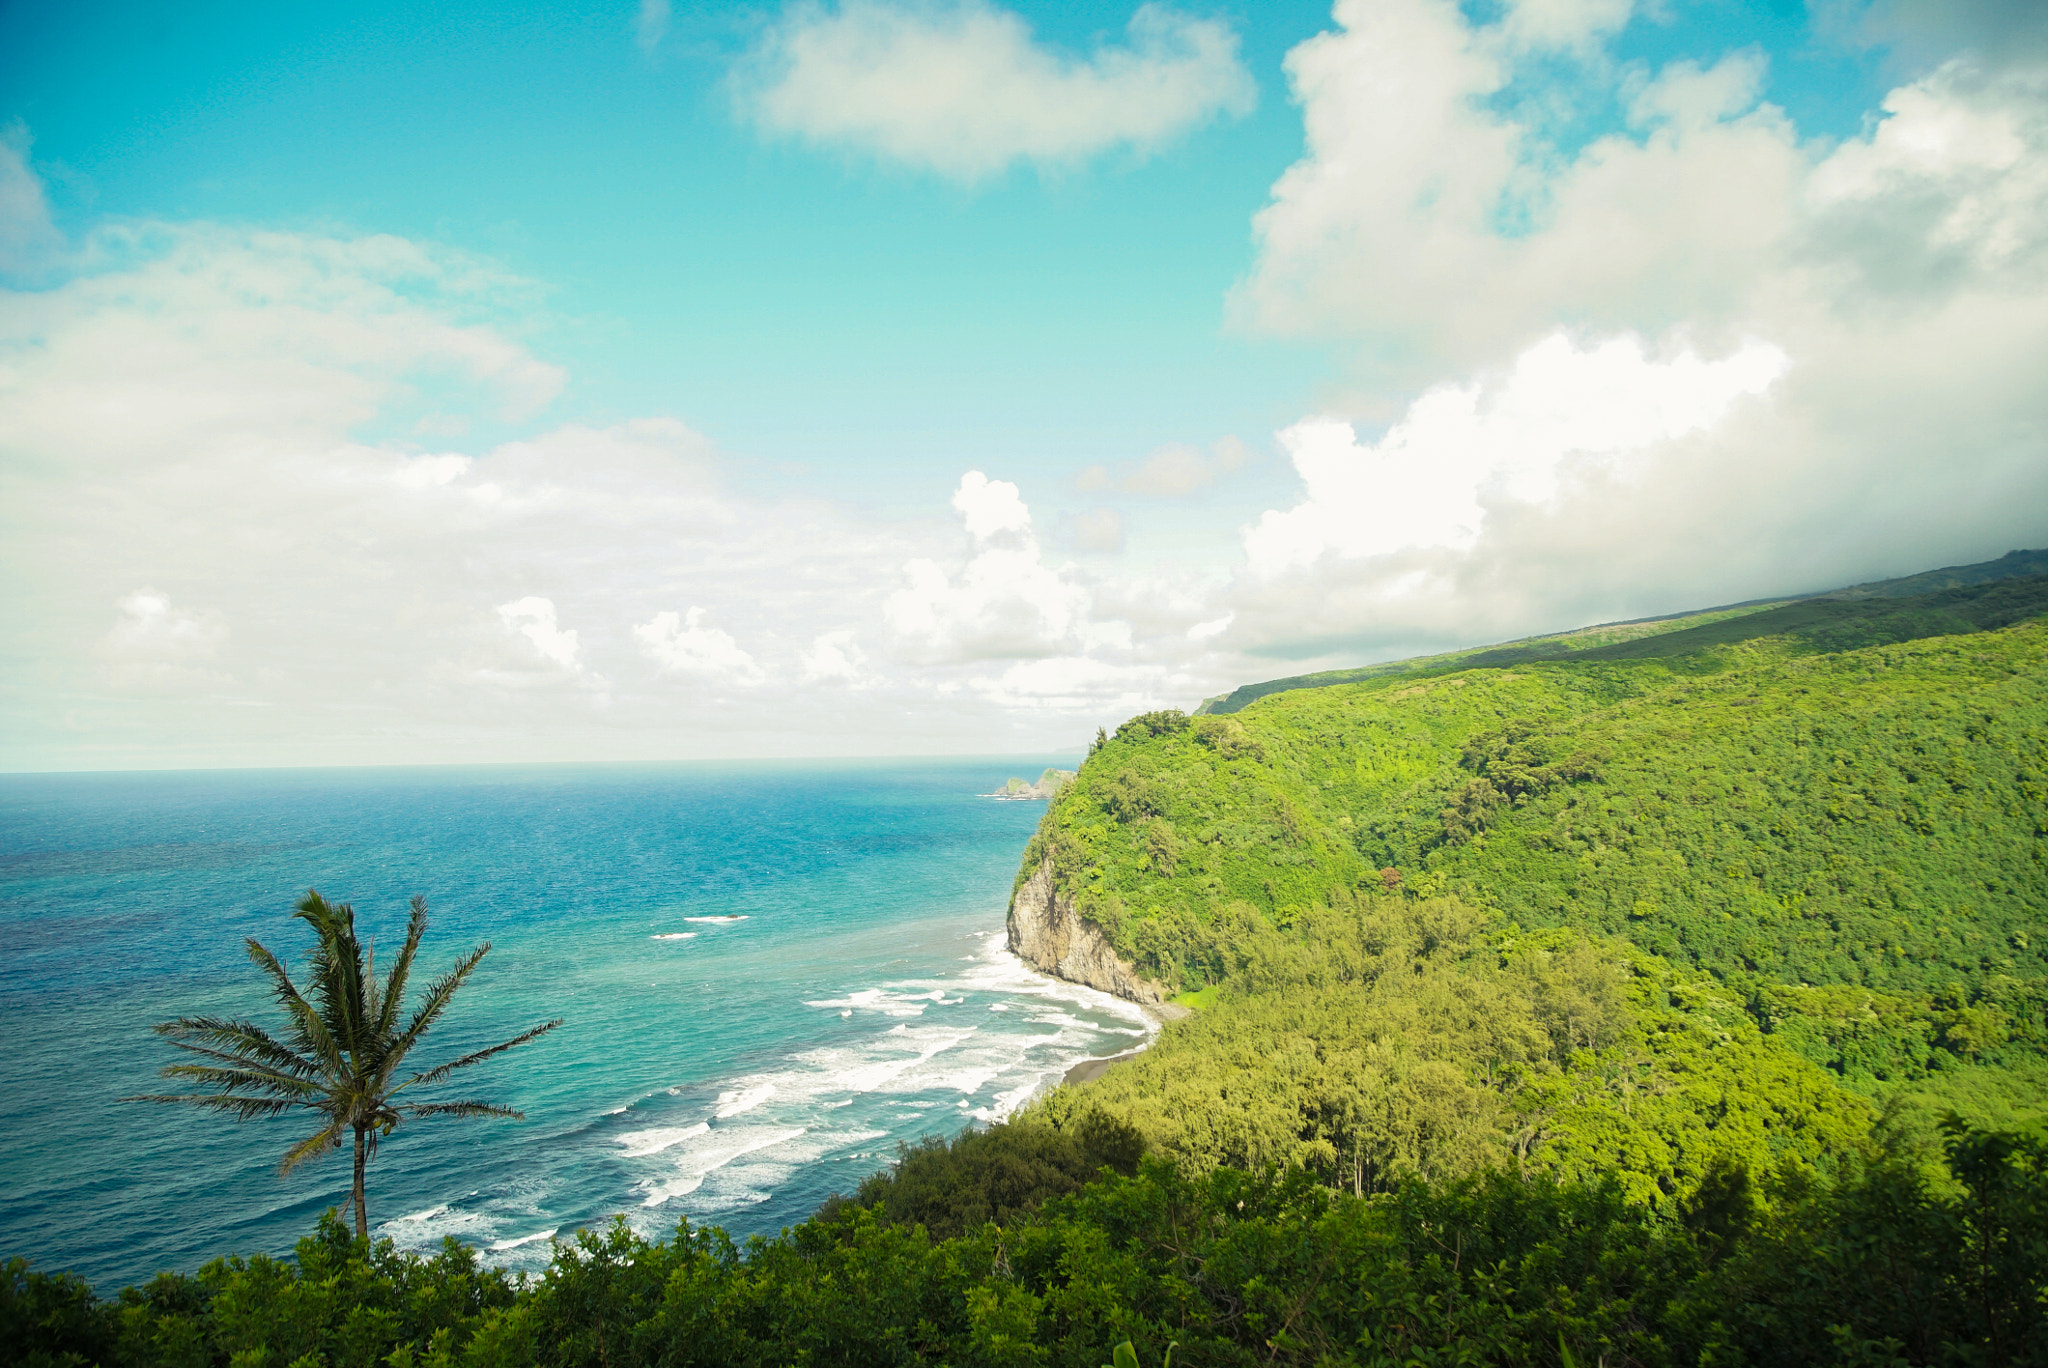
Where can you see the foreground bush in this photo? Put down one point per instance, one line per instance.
(1888, 1264)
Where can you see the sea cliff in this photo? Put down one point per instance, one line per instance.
(1047, 933)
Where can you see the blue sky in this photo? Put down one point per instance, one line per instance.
(1179, 282)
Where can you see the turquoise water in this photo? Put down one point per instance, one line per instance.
(769, 974)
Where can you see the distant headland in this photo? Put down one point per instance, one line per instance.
(1017, 791)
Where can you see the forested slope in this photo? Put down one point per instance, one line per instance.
(1796, 890)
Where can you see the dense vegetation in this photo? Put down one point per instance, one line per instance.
(1854, 845)
(1677, 998)
(1885, 1265)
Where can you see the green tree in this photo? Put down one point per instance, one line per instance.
(342, 1048)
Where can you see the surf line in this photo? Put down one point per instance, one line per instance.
(1089, 1069)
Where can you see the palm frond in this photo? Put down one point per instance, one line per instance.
(227, 1037)
(236, 1078)
(439, 994)
(326, 1139)
(436, 1075)
(310, 1032)
(336, 965)
(241, 1108)
(401, 971)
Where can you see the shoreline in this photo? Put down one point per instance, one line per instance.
(1088, 1070)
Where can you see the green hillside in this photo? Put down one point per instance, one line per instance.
(1811, 884)
(1835, 617)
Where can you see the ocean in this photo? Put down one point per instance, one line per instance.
(768, 974)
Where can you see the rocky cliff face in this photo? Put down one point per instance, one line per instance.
(1050, 936)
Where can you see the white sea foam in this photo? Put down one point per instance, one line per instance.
(897, 1066)
(674, 935)
(500, 1246)
(426, 1229)
(743, 1100)
(740, 918)
(638, 1144)
(719, 1149)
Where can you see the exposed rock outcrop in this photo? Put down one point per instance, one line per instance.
(1050, 936)
(1048, 786)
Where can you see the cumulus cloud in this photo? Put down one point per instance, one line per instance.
(1559, 410)
(201, 339)
(1005, 601)
(687, 646)
(834, 658)
(1834, 385)
(534, 618)
(963, 89)
(1949, 190)
(187, 416)
(1922, 32)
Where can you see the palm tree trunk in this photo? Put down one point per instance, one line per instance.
(362, 1209)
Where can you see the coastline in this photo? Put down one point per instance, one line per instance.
(1088, 1070)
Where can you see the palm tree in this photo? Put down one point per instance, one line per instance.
(341, 1050)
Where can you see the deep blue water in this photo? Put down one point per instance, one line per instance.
(731, 1071)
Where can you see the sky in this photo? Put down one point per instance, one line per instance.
(406, 384)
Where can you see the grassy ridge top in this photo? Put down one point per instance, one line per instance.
(1837, 620)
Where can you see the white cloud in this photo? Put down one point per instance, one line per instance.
(194, 410)
(151, 627)
(1080, 684)
(534, 618)
(27, 237)
(834, 658)
(963, 89)
(1004, 602)
(1559, 410)
(991, 508)
(1841, 390)
(1176, 470)
(1951, 185)
(1395, 231)
(650, 25)
(156, 647)
(202, 339)
(1095, 529)
(687, 646)
(1572, 25)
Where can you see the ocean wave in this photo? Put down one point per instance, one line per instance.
(501, 1246)
(428, 1214)
(699, 1161)
(641, 1143)
(740, 1100)
(673, 935)
(739, 917)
